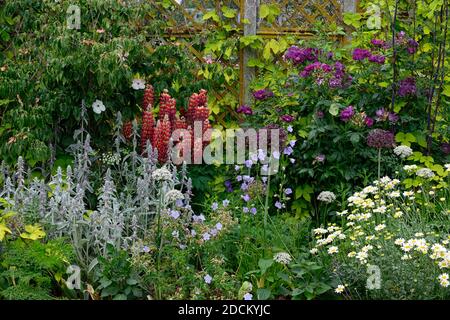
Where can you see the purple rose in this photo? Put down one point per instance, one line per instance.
(361, 54)
(245, 110)
(445, 148)
(368, 121)
(377, 59)
(407, 87)
(347, 113)
(377, 42)
(287, 118)
(300, 55)
(262, 94)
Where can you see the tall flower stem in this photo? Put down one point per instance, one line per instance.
(266, 206)
(379, 163)
(159, 240)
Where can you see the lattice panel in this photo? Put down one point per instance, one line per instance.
(304, 14)
(189, 13)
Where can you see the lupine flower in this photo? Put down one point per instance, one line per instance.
(379, 138)
(347, 113)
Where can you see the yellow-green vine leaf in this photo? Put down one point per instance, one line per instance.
(211, 15)
(228, 12)
(33, 232)
(3, 230)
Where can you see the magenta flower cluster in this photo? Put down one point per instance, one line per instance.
(299, 55)
(262, 94)
(347, 113)
(362, 54)
(245, 110)
(384, 115)
(407, 87)
(335, 75)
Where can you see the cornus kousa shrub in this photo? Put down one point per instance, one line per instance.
(387, 236)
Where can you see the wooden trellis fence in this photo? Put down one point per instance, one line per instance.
(297, 18)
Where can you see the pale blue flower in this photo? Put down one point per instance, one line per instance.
(207, 279)
(248, 296)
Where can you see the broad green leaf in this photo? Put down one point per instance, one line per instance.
(263, 294)
(3, 230)
(228, 12)
(264, 264)
(211, 15)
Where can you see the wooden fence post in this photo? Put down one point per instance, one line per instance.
(249, 12)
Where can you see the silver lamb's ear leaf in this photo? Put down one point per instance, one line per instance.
(92, 265)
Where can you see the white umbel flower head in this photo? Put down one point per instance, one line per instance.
(98, 106)
(326, 196)
(282, 257)
(174, 195)
(138, 84)
(162, 174)
(425, 173)
(403, 151)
